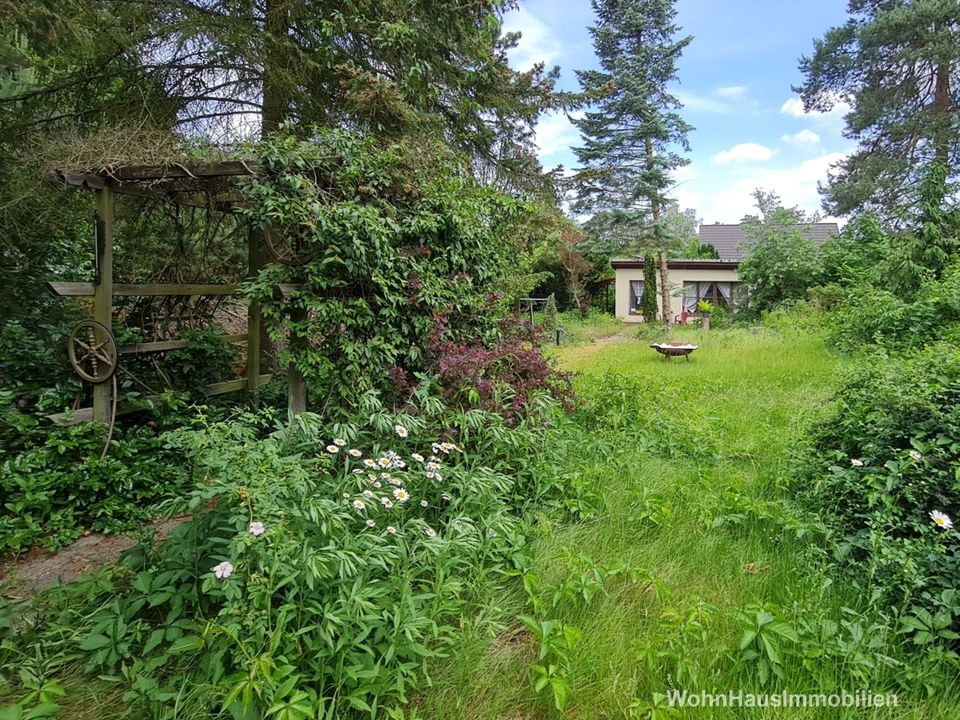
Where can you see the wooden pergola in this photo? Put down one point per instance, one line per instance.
(208, 185)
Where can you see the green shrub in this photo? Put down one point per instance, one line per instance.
(54, 483)
(883, 462)
(323, 566)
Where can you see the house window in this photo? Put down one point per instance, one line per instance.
(728, 295)
(636, 292)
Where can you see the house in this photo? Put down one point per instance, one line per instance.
(692, 280)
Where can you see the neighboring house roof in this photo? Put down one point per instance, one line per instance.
(730, 240)
(681, 264)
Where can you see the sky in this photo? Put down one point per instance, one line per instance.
(734, 81)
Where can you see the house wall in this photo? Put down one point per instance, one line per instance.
(677, 278)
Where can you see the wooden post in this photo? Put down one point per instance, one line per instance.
(103, 291)
(296, 383)
(254, 320)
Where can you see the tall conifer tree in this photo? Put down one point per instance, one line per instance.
(633, 133)
(896, 63)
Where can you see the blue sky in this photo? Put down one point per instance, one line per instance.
(734, 82)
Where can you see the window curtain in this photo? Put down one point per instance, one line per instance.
(690, 297)
(705, 291)
(725, 293)
(636, 292)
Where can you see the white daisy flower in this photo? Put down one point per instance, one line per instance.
(424, 503)
(384, 462)
(357, 471)
(417, 456)
(359, 505)
(368, 493)
(339, 442)
(394, 481)
(401, 495)
(371, 523)
(435, 447)
(399, 464)
(377, 484)
(256, 529)
(430, 533)
(401, 431)
(941, 520)
(391, 530)
(384, 476)
(856, 462)
(432, 465)
(223, 570)
(386, 502)
(369, 463)
(446, 447)
(333, 449)
(915, 454)
(353, 452)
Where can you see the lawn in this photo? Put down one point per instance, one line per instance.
(691, 462)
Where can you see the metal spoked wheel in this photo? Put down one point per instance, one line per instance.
(92, 351)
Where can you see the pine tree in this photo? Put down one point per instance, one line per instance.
(897, 64)
(632, 135)
(223, 70)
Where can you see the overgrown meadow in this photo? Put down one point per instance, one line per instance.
(444, 563)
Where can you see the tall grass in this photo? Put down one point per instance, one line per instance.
(690, 461)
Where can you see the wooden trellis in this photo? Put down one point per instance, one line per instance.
(207, 186)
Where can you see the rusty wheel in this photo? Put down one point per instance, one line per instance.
(92, 351)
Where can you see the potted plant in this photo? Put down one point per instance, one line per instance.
(705, 307)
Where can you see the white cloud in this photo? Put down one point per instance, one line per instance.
(555, 133)
(692, 101)
(731, 91)
(537, 42)
(744, 152)
(728, 199)
(804, 137)
(793, 107)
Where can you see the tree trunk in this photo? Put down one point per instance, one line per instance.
(941, 107)
(665, 312)
(276, 107)
(276, 99)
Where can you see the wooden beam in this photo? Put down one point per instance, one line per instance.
(285, 290)
(74, 417)
(227, 168)
(168, 345)
(234, 385)
(103, 292)
(296, 382)
(254, 315)
(79, 289)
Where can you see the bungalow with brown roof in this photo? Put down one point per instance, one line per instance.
(693, 280)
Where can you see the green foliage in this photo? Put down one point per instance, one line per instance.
(350, 562)
(550, 313)
(55, 484)
(634, 130)
(705, 306)
(648, 300)
(882, 462)
(395, 239)
(781, 264)
(894, 64)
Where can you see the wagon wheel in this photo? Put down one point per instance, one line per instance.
(92, 351)
(289, 245)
